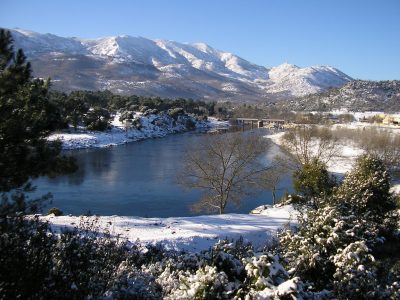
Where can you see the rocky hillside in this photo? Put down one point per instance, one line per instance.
(137, 65)
(359, 95)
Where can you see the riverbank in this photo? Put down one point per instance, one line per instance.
(192, 234)
(348, 153)
(152, 126)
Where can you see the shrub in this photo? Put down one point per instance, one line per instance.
(312, 180)
(55, 211)
(175, 112)
(143, 109)
(190, 124)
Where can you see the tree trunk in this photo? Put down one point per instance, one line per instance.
(273, 196)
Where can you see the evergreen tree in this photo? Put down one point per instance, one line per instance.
(333, 246)
(365, 192)
(312, 180)
(26, 118)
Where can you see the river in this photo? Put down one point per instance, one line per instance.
(136, 179)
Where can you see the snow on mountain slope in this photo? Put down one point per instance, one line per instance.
(33, 43)
(303, 81)
(127, 64)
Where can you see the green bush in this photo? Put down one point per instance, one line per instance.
(55, 211)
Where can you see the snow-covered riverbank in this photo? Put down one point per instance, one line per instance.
(348, 153)
(192, 234)
(152, 126)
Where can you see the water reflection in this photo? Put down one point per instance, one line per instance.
(135, 179)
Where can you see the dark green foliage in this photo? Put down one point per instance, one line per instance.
(75, 108)
(312, 180)
(84, 262)
(189, 124)
(37, 264)
(17, 203)
(97, 118)
(25, 259)
(26, 117)
(365, 191)
(93, 109)
(335, 244)
(55, 211)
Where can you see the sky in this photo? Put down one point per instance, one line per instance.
(359, 37)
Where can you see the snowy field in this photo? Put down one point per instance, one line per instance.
(348, 153)
(118, 134)
(191, 234)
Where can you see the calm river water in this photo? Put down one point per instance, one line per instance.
(136, 179)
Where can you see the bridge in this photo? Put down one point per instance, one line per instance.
(260, 122)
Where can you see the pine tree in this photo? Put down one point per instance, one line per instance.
(26, 118)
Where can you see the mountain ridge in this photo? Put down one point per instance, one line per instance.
(137, 65)
(357, 95)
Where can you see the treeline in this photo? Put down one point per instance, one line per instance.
(93, 109)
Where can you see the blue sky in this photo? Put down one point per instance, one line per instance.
(360, 37)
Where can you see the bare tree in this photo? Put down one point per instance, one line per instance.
(383, 144)
(310, 142)
(226, 167)
(275, 174)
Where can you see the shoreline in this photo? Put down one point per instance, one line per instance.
(342, 163)
(192, 234)
(119, 135)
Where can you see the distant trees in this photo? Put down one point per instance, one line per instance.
(93, 108)
(309, 143)
(385, 145)
(226, 168)
(75, 107)
(97, 118)
(380, 142)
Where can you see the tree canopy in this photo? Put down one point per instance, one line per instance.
(226, 168)
(26, 118)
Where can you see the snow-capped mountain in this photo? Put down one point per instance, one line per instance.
(357, 95)
(137, 65)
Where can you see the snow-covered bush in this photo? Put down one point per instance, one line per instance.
(175, 112)
(365, 193)
(142, 109)
(150, 112)
(130, 282)
(333, 245)
(84, 261)
(355, 276)
(206, 283)
(266, 275)
(126, 115)
(25, 258)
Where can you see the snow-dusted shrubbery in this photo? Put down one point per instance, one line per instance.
(334, 245)
(88, 265)
(338, 251)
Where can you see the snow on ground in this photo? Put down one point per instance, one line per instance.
(192, 234)
(118, 134)
(347, 156)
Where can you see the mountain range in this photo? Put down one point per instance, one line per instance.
(141, 66)
(357, 95)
